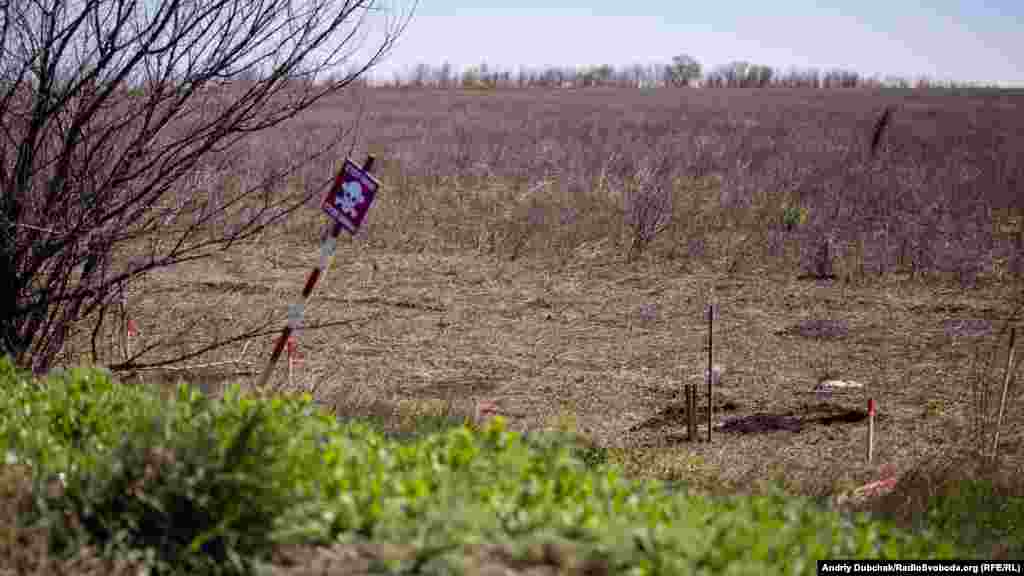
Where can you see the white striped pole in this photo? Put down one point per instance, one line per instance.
(296, 311)
(293, 356)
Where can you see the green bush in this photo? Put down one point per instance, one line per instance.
(57, 422)
(194, 484)
(201, 498)
(793, 216)
(976, 515)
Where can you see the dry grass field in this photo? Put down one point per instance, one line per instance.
(496, 265)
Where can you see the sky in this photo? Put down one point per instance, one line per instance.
(967, 41)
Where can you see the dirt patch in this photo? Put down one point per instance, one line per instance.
(761, 422)
(824, 414)
(469, 385)
(967, 327)
(843, 417)
(675, 414)
(817, 328)
(227, 286)
(540, 559)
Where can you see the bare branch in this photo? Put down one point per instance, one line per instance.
(259, 332)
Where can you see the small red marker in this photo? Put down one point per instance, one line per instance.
(293, 349)
(485, 410)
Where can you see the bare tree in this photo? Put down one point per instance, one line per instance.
(647, 198)
(108, 106)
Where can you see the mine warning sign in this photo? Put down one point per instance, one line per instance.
(350, 197)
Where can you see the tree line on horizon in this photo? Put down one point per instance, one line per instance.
(683, 71)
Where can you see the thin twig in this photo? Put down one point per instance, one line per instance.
(249, 336)
(196, 366)
(36, 228)
(1007, 376)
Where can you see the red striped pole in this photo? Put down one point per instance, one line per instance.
(296, 311)
(871, 429)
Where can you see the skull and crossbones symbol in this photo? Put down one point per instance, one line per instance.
(351, 195)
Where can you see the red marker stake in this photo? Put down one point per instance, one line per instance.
(871, 429)
(306, 291)
(130, 332)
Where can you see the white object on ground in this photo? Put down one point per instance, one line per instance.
(829, 387)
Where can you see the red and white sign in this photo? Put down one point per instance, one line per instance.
(350, 197)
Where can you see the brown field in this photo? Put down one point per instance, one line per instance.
(494, 266)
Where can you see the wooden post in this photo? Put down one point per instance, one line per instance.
(295, 313)
(711, 324)
(691, 412)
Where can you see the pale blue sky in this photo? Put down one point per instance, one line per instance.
(980, 40)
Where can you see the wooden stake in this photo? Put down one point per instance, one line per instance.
(711, 324)
(691, 412)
